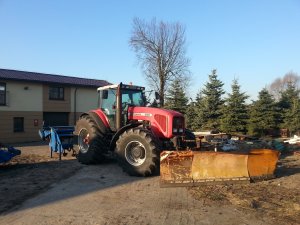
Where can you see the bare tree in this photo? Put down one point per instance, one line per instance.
(160, 49)
(280, 84)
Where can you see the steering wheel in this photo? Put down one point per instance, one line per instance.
(125, 105)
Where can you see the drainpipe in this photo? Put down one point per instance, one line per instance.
(75, 100)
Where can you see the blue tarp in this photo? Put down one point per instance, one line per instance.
(55, 136)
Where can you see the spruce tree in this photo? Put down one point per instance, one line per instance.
(201, 118)
(176, 98)
(211, 104)
(191, 116)
(195, 114)
(292, 116)
(287, 102)
(235, 113)
(288, 95)
(263, 114)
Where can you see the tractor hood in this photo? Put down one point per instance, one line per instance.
(164, 123)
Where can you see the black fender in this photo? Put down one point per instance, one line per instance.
(103, 129)
(119, 132)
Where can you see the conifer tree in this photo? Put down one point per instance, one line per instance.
(292, 116)
(191, 116)
(263, 114)
(287, 102)
(235, 113)
(176, 97)
(288, 95)
(211, 102)
(195, 114)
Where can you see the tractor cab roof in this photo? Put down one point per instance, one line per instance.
(123, 86)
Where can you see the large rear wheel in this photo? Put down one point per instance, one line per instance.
(91, 145)
(138, 152)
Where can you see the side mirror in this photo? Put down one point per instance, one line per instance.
(157, 96)
(104, 94)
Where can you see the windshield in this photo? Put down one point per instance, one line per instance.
(133, 97)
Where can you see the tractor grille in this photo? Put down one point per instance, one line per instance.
(178, 125)
(162, 121)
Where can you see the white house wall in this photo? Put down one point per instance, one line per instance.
(31, 100)
(26, 97)
(86, 99)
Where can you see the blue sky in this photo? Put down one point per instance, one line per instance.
(255, 41)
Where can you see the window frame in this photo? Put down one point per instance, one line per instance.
(56, 93)
(4, 94)
(18, 126)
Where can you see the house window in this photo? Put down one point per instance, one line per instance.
(2, 94)
(18, 124)
(56, 93)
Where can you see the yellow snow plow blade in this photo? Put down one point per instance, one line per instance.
(192, 168)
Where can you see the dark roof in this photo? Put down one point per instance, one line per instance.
(50, 78)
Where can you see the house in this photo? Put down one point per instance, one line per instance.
(28, 100)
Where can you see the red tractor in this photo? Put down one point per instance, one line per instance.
(136, 134)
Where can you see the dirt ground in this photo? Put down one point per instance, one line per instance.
(278, 198)
(32, 173)
(277, 201)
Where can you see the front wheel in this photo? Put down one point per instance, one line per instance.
(138, 152)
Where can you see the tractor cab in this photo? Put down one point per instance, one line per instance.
(115, 99)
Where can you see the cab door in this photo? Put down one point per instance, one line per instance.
(108, 106)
